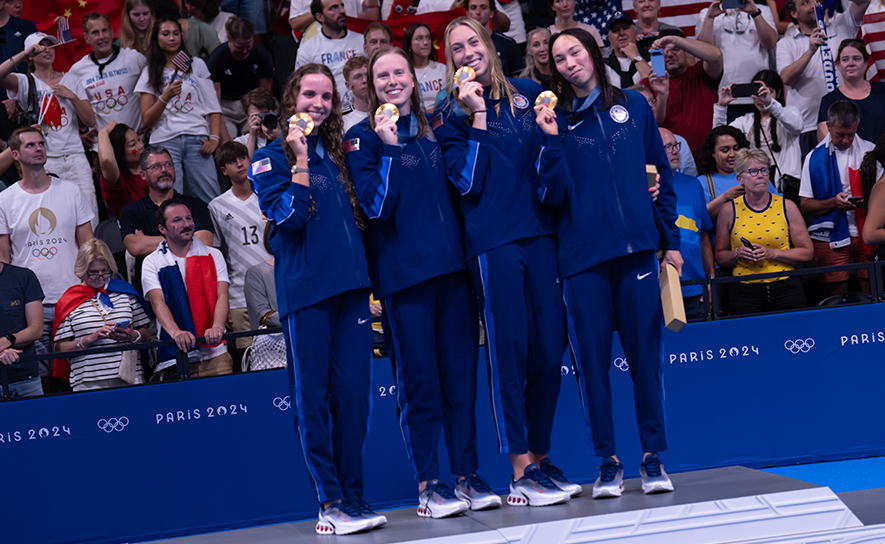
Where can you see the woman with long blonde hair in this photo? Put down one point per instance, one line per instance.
(137, 22)
(486, 130)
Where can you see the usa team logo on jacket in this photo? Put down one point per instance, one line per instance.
(520, 101)
(352, 145)
(261, 166)
(619, 113)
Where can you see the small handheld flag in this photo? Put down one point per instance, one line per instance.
(182, 61)
(64, 31)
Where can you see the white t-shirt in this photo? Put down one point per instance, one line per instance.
(332, 53)
(847, 158)
(188, 112)
(431, 80)
(613, 76)
(513, 11)
(42, 232)
(150, 280)
(352, 117)
(734, 33)
(244, 139)
(424, 6)
(806, 92)
(217, 25)
(111, 94)
(64, 140)
(239, 227)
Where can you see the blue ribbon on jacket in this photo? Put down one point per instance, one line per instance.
(826, 182)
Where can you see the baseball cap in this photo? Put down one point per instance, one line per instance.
(618, 17)
(38, 37)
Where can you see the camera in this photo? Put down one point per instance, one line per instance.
(269, 119)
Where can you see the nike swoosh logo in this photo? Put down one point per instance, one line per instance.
(642, 276)
(361, 321)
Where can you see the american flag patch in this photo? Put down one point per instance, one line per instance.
(261, 166)
(352, 145)
(437, 121)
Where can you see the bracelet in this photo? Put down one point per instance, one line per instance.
(137, 338)
(736, 254)
(215, 137)
(163, 101)
(481, 111)
(79, 345)
(757, 14)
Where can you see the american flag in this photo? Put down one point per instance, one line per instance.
(597, 12)
(873, 31)
(182, 61)
(681, 13)
(64, 31)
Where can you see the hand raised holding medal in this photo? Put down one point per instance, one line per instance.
(545, 117)
(386, 117)
(469, 90)
(300, 125)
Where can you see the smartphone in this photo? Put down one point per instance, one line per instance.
(733, 4)
(855, 200)
(742, 90)
(651, 172)
(122, 324)
(657, 62)
(746, 243)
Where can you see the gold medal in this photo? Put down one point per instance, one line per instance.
(302, 121)
(388, 110)
(464, 74)
(547, 98)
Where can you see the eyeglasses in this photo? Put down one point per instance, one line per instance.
(157, 167)
(756, 171)
(670, 147)
(98, 275)
(739, 27)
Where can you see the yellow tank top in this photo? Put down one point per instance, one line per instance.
(768, 227)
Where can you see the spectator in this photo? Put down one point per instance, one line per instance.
(825, 191)
(238, 66)
(116, 68)
(261, 292)
(333, 45)
(210, 13)
(239, 228)
(13, 32)
(801, 66)
(14, 8)
(187, 305)
(355, 79)
(21, 324)
(418, 45)
(716, 167)
(693, 89)
(694, 231)
(648, 27)
(775, 229)
(137, 22)
(565, 11)
(64, 150)
(376, 36)
(262, 114)
(42, 222)
(175, 107)
(874, 197)
(253, 10)
(199, 37)
(302, 20)
(744, 52)
(119, 173)
(686, 159)
(138, 224)
(537, 58)
(100, 311)
(868, 96)
(625, 67)
(508, 51)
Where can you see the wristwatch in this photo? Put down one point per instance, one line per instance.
(638, 58)
(299, 170)
(11, 338)
(757, 14)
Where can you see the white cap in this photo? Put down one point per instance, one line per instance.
(38, 37)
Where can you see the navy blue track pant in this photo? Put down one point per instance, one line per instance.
(329, 351)
(432, 344)
(623, 291)
(522, 309)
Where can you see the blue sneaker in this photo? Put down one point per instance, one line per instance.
(535, 489)
(377, 519)
(438, 501)
(558, 478)
(654, 479)
(477, 493)
(342, 517)
(611, 479)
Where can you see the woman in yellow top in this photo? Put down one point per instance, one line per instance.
(775, 229)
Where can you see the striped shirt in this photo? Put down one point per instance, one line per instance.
(239, 230)
(85, 320)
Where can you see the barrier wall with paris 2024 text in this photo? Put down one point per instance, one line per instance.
(206, 455)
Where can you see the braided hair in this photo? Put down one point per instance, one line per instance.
(773, 82)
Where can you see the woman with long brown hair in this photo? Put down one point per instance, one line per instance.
(137, 22)
(323, 288)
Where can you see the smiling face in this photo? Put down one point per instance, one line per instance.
(140, 16)
(539, 48)
(468, 50)
(47, 57)
(573, 62)
(315, 97)
(99, 35)
(647, 9)
(393, 81)
(169, 37)
(724, 153)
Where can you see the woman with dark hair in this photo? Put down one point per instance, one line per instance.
(323, 290)
(181, 110)
(486, 131)
(772, 127)
(119, 171)
(200, 38)
(869, 96)
(615, 281)
(416, 255)
(418, 45)
(716, 166)
(871, 178)
(537, 58)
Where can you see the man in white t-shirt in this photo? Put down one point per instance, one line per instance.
(829, 202)
(302, 20)
(106, 78)
(261, 116)
(800, 62)
(744, 35)
(239, 230)
(43, 221)
(355, 78)
(170, 290)
(333, 45)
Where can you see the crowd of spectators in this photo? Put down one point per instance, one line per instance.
(159, 154)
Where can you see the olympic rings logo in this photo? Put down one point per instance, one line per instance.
(44, 253)
(113, 424)
(179, 106)
(113, 104)
(797, 346)
(621, 364)
(283, 404)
